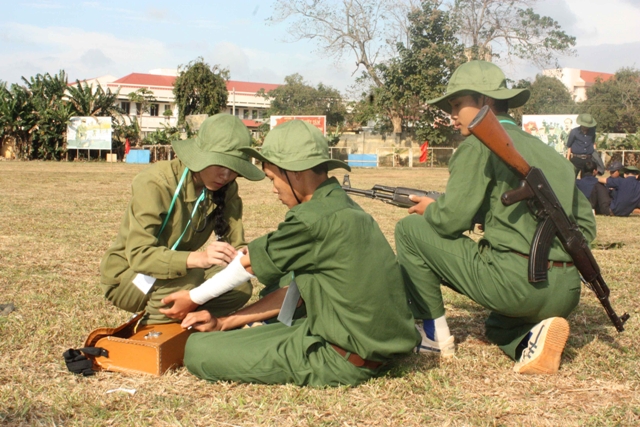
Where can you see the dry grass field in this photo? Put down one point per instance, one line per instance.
(57, 219)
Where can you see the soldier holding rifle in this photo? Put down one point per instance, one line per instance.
(527, 320)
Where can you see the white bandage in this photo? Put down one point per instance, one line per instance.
(231, 277)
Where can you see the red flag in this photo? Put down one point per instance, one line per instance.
(127, 146)
(424, 152)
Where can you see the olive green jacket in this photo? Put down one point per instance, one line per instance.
(138, 246)
(478, 180)
(346, 272)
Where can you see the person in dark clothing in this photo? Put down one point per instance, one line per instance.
(595, 191)
(582, 141)
(626, 197)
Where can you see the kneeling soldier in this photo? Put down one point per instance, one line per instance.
(527, 320)
(331, 260)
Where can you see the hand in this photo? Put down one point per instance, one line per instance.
(182, 305)
(422, 203)
(217, 253)
(201, 321)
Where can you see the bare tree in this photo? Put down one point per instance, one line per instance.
(511, 26)
(366, 29)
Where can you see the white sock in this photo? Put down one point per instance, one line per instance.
(436, 329)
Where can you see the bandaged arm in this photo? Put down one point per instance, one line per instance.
(231, 277)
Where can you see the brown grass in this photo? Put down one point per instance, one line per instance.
(57, 219)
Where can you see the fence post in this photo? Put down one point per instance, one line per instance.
(410, 157)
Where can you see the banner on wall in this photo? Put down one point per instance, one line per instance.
(552, 129)
(318, 121)
(89, 133)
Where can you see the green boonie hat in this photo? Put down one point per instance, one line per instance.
(586, 120)
(484, 78)
(218, 143)
(295, 146)
(631, 169)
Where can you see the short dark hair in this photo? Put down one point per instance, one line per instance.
(500, 105)
(588, 168)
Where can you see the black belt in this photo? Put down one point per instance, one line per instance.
(554, 263)
(582, 156)
(356, 360)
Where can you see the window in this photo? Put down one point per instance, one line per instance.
(260, 114)
(254, 114)
(246, 114)
(154, 109)
(126, 107)
(138, 109)
(167, 107)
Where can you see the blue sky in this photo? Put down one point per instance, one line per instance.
(94, 38)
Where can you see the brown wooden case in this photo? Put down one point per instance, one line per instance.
(148, 349)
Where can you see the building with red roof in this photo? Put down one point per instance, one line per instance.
(242, 100)
(577, 81)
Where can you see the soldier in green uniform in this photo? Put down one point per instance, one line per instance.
(527, 320)
(176, 206)
(328, 257)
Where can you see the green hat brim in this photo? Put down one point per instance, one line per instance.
(587, 124)
(196, 160)
(517, 97)
(298, 165)
(631, 169)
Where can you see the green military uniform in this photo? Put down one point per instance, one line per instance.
(432, 250)
(347, 276)
(143, 246)
(139, 249)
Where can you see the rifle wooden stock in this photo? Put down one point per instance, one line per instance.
(486, 127)
(544, 204)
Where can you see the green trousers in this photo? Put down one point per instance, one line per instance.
(270, 354)
(128, 297)
(496, 280)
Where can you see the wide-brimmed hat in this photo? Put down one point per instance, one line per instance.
(615, 166)
(631, 169)
(484, 78)
(218, 143)
(295, 146)
(586, 120)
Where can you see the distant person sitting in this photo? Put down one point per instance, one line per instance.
(582, 141)
(595, 191)
(625, 189)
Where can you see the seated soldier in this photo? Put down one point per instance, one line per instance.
(625, 191)
(527, 320)
(338, 265)
(595, 191)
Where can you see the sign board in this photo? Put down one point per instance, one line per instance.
(318, 121)
(552, 129)
(89, 133)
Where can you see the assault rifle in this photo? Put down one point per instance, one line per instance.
(397, 196)
(543, 203)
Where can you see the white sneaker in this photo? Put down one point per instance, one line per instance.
(445, 348)
(545, 347)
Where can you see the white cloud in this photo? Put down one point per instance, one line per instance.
(81, 53)
(605, 22)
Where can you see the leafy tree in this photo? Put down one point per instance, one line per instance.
(548, 96)
(420, 72)
(87, 102)
(143, 98)
(615, 104)
(513, 25)
(366, 29)
(296, 97)
(200, 89)
(17, 118)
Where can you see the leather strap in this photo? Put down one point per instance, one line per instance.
(551, 263)
(356, 360)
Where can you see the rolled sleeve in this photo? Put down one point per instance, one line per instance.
(289, 248)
